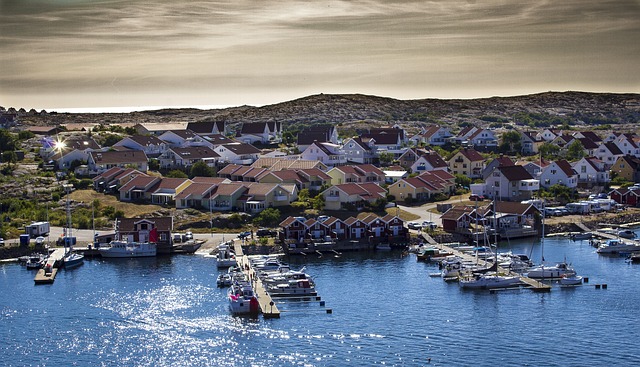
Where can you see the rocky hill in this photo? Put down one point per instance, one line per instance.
(535, 110)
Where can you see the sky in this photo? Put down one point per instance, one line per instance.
(74, 54)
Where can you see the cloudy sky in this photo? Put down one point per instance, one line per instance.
(115, 53)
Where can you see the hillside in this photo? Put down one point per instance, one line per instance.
(572, 107)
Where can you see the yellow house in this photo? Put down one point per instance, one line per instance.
(627, 167)
(467, 162)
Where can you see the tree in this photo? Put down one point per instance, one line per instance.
(7, 143)
(575, 150)
(549, 151)
(154, 164)
(269, 217)
(463, 180)
(111, 139)
(511, 142)
(318, 202)
(176, 173)
(386, 158)
(201, 169)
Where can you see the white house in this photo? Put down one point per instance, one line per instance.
(327, 153)
(237, 153)
(149, 144)
(608, 153)
(559, 173)
(591, 171)
(429, 162)
(357, 151)
(510, 183)
(184, 138)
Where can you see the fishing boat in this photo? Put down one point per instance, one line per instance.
(225, 257)
(242, 299)
(616, 246)
(124, 249)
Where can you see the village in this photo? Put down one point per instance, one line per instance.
(322, 186)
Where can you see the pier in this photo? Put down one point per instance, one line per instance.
(47, 274)
(533, 284)
(602, 234)
(267, 305)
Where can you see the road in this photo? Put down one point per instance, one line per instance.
(425, 211)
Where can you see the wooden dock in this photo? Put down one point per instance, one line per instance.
(603, 234)
(268, 307)
(534, 285)
(47, 274)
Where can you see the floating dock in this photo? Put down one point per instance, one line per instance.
(267, 305)
(47, 274)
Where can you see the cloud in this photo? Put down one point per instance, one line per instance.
(408, 48)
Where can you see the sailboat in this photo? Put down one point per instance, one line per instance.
(491, 280)
(71, 259)
(559, 270)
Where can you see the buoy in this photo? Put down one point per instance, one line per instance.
(604, 286)
(329, 310)
(597, 286)
(585, 280)
(321, 303)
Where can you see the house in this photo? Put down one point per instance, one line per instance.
(113, 178)
(357, 151)
(429, 162)
(165, 191)
(395, 129)
(157, 129)
(336, 228)
(321, 133)
(357, 228)
(327, 153)
(151, 145)
(626, 195)
(530, 142)
(533, 167)
(352, 195)
(459, 219)
(386, 141)
(206, 128)
(316, 178)
(260, 196)
(510, 183)
(99, 162)
(467, 162)
(293, 229)
(627, 167)
(627, 145)
(138, 229)
(138, 188)
(70, 150)
(432, 135)
(316, 229)
(549, 135)
(589, 135)
(184, 138)
(481, 139)
(559, 172)
(501, 161)
(194, 195)
(237, 153)
(411, 155)
(357, 173)
(591, 171)
(512, 219)
(225, 196)
(185, 157)
(254, 132)
(277, 164)
(608, 153)
(423, 187)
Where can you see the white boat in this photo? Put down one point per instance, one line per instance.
(490, 281)
(35, 261)
(123, 249)
(242, 299)
(72, 259)
(615, 246)
(226, 257)
(582, 236)
(285, 277)
(558, 270)
(626, 233)
(302, 287)
(571, 280)
(270, 264)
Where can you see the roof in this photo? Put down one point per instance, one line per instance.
(515, 173)
(146, 140)
(383, 138)
(241, 148)
(210, 180)
(434, 160)
(195, 152)
(308, 137)
(591, 136)
(161, 223)
(170, 183)
(566, 167)
(196, 188)
(457, 211)
(472, 155)
(114, 157)
(140, 182)
(613, 148)
(205, 127)
(277, 164)
(511, 207)
(227, 189)
(253, 128)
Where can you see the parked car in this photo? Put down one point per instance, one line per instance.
(265, 232)
(177, 238)
(414, 225)
(474, 197)
(1, 241)
(39, 240)
(427, 224)
(188, 236)
(244, 235)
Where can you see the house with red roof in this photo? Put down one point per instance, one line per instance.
(99, 162)
(508, 183)
(165, 191)
(185, 157)
(429, 161)
(237, 153)
(362, 173)
(139, 188)
(423, 187)
(139, 229)
(591, 171)
(559, 172)
(352, 195)
(327, 153)
(467, 162)
(626, 195)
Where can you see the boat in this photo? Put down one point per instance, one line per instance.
(125, 249)
(383, 247)
(269, 264)
(558, 270)
(35, 261)
(224, 280)
(571, 280)
(284, 277)
(616, 246)
(635, 257)
(295, 288)
(490, 281)
(225, 257)
(242, 299)
(626, 233)
(187, 247)
(581, 236)
(71, 259)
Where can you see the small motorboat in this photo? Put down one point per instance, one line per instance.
(581, 236)
(627, 233)
(571, 280)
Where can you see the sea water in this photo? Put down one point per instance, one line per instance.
(385, 311)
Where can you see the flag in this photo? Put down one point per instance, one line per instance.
(153, 235)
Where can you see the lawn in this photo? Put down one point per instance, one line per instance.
(131, 210)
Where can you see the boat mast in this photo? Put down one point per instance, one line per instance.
(67, 239)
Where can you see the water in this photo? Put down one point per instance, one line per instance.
(386, 311)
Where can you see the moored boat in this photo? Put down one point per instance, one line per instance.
(72, 259)
(582, 236)
(294, 287)
(242, 299)
(490, 281)
(571, 280)
(226, 257)
(626, 233)
(123, 249)
(558, 270)
(616, 246)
